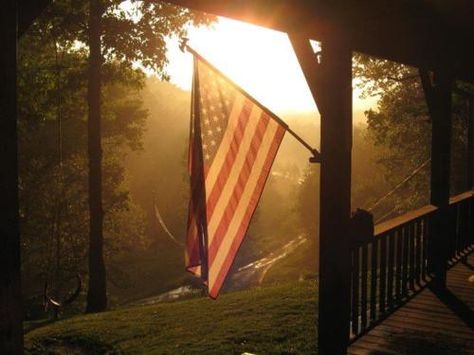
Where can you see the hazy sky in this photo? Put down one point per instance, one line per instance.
(258, 59)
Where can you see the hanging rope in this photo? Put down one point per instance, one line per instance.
(163, 225)
(400, 184)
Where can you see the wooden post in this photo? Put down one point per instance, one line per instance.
(331, 85)
(11, 330)
(438, 92)
(470, 147)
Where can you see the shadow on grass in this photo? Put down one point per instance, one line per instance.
(71, 346)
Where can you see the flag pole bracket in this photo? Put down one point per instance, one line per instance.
(316, 155)
(316, 158)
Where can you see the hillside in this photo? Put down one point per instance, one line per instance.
(278, 319)
(157, 176)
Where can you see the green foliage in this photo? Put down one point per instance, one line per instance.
(401, 127)
(308, 201)
(138, 34)
(133, 31)
(53, 64)
(53, 186)
(368, 178)
(271, 320)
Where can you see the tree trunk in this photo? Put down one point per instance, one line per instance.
(97, 294)
(11, 331)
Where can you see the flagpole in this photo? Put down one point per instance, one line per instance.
(316, 155)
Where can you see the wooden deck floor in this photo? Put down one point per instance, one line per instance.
(428, 324)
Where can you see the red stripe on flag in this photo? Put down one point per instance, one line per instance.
(239, 187)
(237, 240)
(193, 247)
(234, 170)
(229, 158)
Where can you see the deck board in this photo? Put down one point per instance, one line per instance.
(428, 324)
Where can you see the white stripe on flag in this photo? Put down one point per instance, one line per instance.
(243, 203)
(228, 189)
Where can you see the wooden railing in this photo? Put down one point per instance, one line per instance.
(392, 267)
(461, 216)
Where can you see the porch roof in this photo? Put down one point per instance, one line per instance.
(431, 34)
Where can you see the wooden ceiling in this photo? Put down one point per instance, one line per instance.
(28, 10)
(431, 34)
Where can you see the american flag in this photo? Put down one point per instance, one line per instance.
(233, 142)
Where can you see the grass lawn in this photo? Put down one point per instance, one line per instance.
(269, 320)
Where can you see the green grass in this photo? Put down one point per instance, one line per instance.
(270, 320)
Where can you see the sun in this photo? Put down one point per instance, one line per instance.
(260, 60)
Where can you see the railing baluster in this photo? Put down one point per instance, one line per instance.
(453, 235)
(469, 224)
(406, 238)
(458, 245)
(400, 262)
(424, 244)
(373, 279)
(383, 274)
(364, 277)
(464, 224)
(390, 279)
(398, 280)
(418, 248)
(470, 221)
(355, 290)
(412, 228)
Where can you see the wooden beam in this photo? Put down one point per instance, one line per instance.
(415, 33)
(11, 330)
(310, 66)
(332, 88)
(438, 92)
(28, 11)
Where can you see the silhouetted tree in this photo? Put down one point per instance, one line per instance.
(123, 33)
(97, 290)
(401, 126)
(53, 197)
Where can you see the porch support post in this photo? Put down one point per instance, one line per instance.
(438, 92)
(11, 331)
(331, 85)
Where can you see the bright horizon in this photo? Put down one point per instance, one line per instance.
(260, 60)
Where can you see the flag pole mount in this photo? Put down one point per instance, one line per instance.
(316, 155)
(316, 158)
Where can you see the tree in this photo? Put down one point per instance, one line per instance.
(53, 196)
(112, 33)
(11, 332)
(97, 290)
(138, 42)
(402, 127)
